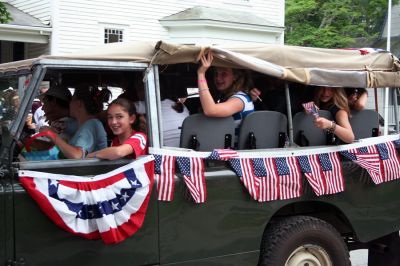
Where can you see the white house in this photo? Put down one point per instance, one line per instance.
(64, 26)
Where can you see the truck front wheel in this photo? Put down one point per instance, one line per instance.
(302, 240)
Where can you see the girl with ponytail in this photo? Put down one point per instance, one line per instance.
(128, 142)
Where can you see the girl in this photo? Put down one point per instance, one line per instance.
(233, 84)
(86, 104)
(121, 116)
(335, 101)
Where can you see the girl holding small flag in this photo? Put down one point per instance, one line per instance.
(128, 143)
(334, 100)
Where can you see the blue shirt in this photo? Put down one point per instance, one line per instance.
(91, 137)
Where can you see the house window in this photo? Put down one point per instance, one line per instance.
(113, 35)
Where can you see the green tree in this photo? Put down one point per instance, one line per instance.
(4, 14)
(333, 23)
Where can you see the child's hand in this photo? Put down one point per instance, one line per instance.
(322, 123)
(255, 94)
(206, 60)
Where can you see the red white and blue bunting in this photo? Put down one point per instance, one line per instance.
(277, 174)
(110, 206)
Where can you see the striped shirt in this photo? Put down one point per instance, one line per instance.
(138, 142)
(247, 109)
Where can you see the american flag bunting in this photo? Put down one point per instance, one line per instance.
(367, 158)
(390, 161)
(332, 170)
(164, 169)
(244, 170)
(289, 175)
(310, 166)
(264, 170)
(193, 174)
(223, 154)
(111, 206)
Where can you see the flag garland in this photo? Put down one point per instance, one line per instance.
(110, 206)
(279, 177)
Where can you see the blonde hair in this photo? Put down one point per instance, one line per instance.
(243, 81)
(338, 99)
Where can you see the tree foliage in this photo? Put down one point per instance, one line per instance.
(333, 23)
(4, 14)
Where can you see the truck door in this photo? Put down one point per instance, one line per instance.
(41, 242)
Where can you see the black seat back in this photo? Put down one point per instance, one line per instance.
(365, 123)
(203, 133)
(305, 133)
(263, 129)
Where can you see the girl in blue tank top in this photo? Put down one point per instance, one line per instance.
(232, 84)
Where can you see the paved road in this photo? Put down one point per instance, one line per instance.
(359, 257)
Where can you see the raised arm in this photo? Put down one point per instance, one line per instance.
(211, 108)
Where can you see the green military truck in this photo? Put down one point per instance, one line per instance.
(229, 227)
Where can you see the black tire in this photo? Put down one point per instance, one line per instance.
(305, 238)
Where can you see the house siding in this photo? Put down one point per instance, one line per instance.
(82, 22)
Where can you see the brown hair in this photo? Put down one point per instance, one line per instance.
(242, 83)
(92, 97)
(140, 121)
(339, 99)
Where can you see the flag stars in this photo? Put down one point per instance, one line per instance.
(53, 182)
(125, 196)
(114, 206)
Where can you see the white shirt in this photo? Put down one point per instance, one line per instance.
(40, 118)
(172, 123)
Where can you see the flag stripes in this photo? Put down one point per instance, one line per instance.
(390, 161)
(164, 170)
(193, 175)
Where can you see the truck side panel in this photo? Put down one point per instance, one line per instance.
(40, 242)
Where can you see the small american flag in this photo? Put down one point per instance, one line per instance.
(164, 169)
(390, 160)
(264, 170)
(311, 109)
(193, 174)
(332, 170)
(244, 169)
(368, 158)
(311, 168)
(223, 154)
